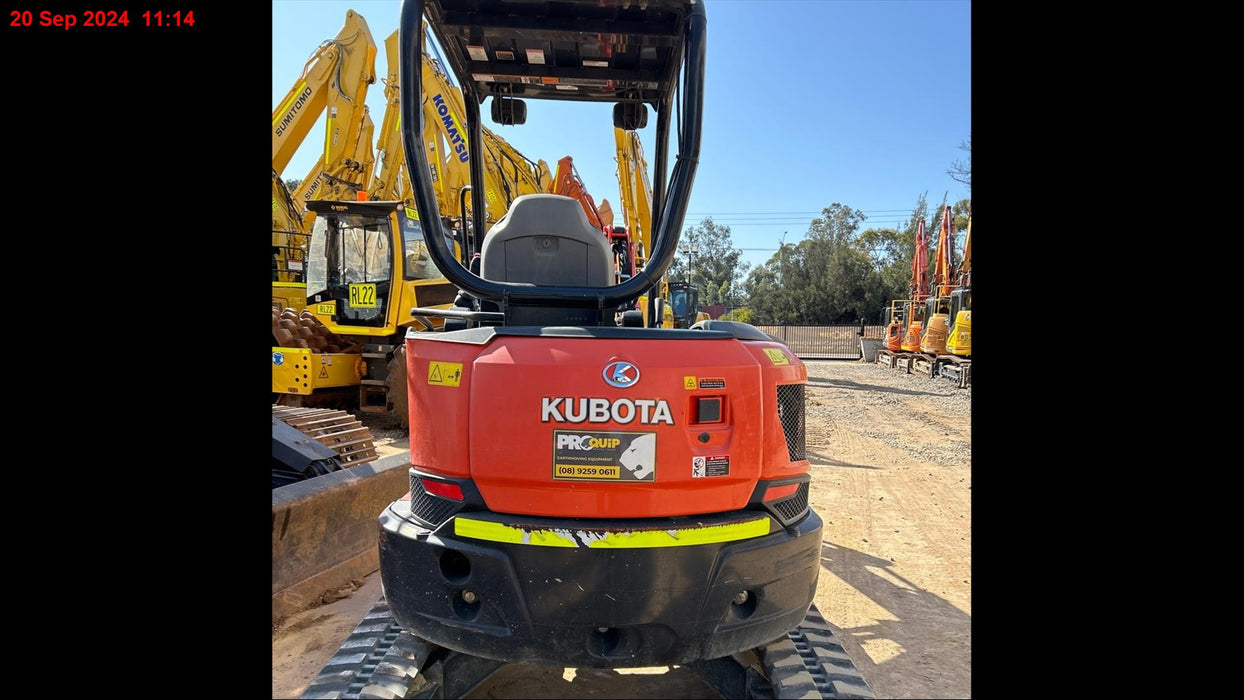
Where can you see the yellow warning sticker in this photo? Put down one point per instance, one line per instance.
(324, 372)
(688, 382)
(444, 373)
(776, 356)
(326, 309)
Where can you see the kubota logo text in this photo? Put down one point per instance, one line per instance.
(564, 409)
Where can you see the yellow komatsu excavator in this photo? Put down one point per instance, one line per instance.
(334, 82)
(508, 174)
(390, 180)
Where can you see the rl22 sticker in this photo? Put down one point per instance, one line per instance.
(604, 456)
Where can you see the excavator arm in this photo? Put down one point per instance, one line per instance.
(943, 281)
(566, 181)
(334, 79)
(965, 265)
(289, 240)
(636, 191)
(508, 174)
(387, 184)
(342, 179)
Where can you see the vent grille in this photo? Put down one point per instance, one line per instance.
(788, 510)
(790, 411)
(431, 509)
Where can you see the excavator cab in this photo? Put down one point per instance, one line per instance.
(914, 312)
(937, 325)
(589, 494)
(959, 340)
(895, 323)
(685, 302)
(362, 258)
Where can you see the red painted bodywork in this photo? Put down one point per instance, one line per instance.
(489, 428)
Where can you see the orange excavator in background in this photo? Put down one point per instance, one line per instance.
(566, 181)
(914, 309)
(937, 305)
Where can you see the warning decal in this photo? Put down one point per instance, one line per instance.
(444, 373)
(776, 356)
(715, 465)
(604, 456)
(688, 382)
(713, 383)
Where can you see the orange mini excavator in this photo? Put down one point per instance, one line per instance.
(586, 491)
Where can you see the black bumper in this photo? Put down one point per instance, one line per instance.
(597, 607)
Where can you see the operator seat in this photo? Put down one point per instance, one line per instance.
(546, 239)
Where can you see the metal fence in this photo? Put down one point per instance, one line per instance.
(825, 342)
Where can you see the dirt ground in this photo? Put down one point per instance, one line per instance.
(891, 478)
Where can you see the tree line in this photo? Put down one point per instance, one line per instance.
(837, 274)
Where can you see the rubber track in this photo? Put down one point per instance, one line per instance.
(379, 660)
(810, 663)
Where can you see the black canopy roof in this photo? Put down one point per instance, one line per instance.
(590, 50)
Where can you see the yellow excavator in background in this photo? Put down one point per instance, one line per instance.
(367, 267)
(390, 181)
(508, 174)
(289, 240)
(367, 262)
(334, 81)
(340, 180)
(635, 189)
(959, 342)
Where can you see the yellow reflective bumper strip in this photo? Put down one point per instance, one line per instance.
(635, 539)
(496, 532)
(292, 285)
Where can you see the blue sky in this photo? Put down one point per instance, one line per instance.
(807, 103)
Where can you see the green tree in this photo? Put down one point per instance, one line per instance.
(714, 268)
(829, 277)
(292, 184)
(741, 314)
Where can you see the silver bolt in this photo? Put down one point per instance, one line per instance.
(602, 630)
(741, 597)
(469, 596)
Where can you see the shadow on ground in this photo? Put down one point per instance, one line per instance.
(821, 460)
(843, 384)
(928, 654)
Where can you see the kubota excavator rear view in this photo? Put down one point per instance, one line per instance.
(582, 493)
